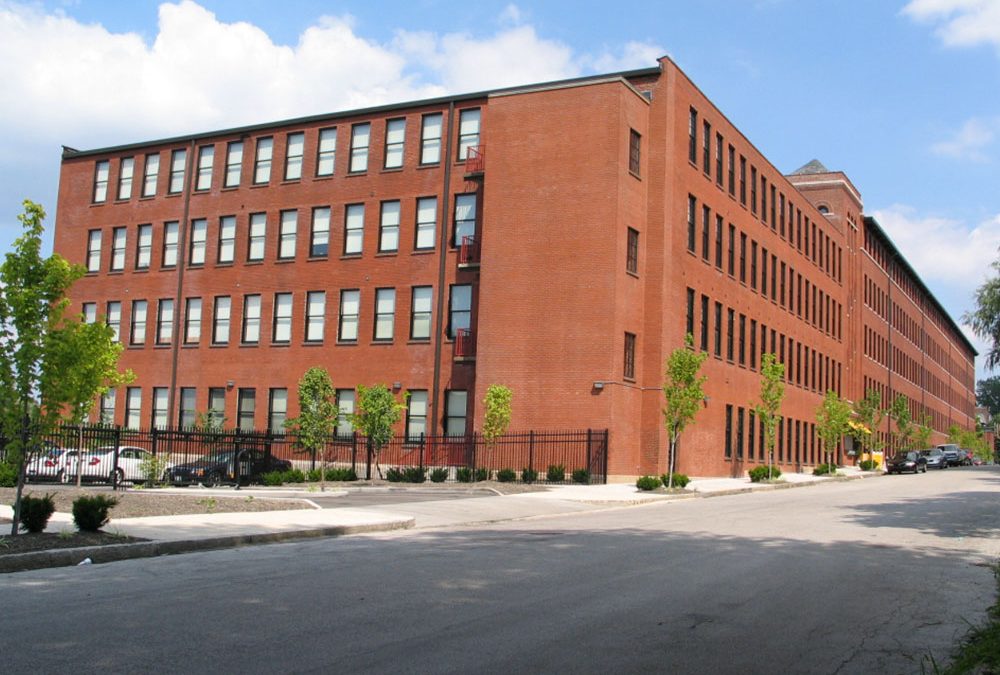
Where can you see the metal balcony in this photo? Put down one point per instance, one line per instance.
(475, 161)
(468, 253)
(465, 345)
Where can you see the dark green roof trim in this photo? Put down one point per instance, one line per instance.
(877, 229)
(71, 153)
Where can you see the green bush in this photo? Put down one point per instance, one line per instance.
(414, 474)
(294, 476)
(8, 475)
(506, 475)
(394, 475)
(273, 478)
(90, 513)
(581, 476)
(529, 475)
(556, 473)
(312, 475)
(464, 474)
(482, 473)
(680, 480)
(346, 474)
(36, 511)
(439, 475)
(648, 483)
(759, 473)
(868, 465)
(824, 469)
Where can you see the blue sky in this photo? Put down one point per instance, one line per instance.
(902, 96)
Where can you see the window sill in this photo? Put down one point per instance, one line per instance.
(312, 343)
(347, 343)
(351, 256)
(218, 345)
(353, 174)
(260, 185)
(324, 177)
(249, 344)
(190, 345)
(381, 343)
(173, 195)
(230, 188)
(196, 266)
(93, 204)
(202, 191)
(123, 201)
(634, 174)
(431, 165)
(136, 346)
(422, 251)
(146, 198)
(162, 345)
(284, 345)
(392, 169)
(387, 254)
(632, 274)
(141, 270)
(115, 273)
(419, 341)
(291, 181)
(284, 261)
(168, 268)
(225, 264)
(254, 262)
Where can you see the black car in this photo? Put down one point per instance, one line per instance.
(227, 467)
(907, 461)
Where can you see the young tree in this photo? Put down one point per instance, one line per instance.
(868, 412)
(317, 416)
(988, 394)
(832, 419)
(497, 416)
(682, 389)
(376, 414)
(922, 431)
(899, 412)
(772, 393)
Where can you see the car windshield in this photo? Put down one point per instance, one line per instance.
(214, 457)
(904, 456)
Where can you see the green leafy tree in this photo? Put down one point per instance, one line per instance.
(684, 394)
(317, 416)
(211, 420)
(868, 416)
(988, 394)
(922, 431)
(832, 422)
(377, 412)
(899, 413)
(496, 419)
(985, 318)
(772, 393)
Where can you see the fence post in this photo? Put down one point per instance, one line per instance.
(368, 455)
(589, 468)
(153, 441)
(421, 452)
(312, 464)
(354, 451)
(604, 459)
(531, 450)
(475, 447)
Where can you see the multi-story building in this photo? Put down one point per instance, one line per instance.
(559, 238)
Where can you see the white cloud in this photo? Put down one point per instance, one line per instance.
(970, 142)
(962, 23)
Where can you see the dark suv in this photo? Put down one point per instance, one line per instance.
(952, 454)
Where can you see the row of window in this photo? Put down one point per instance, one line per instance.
(788, 288)
(281, 312)
(796, 441)
(226, 237)
(878, 348)
(246, 415)
(718, 325)
(260, 170)
(918, 411)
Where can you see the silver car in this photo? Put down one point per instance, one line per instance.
(935, 457)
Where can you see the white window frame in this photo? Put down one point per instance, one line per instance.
(456, 400)
(262, 160)
(281, 328)
(114, 318)
(102, 171)
(430, 138)
(126, 170)
(250, 334)
(426, 225)
(150, 174)
(227, 239)
(395, 142)
(192, 321)
(144, 246)
(221, 319)
(459, 306)
(354, 229)
(178, 160)
(388, 240)
(295, 144)
(326, 152)
(465, 217)
(119, 246)
(164, 321)
(320, 233)
(137, 329)
(199, 240)
(206, 160)
(94, 250)
(234, 164)
(421, 312)
(385, 314)
(350, 315)
(469, 123)
(287, 234)
(171, 236)
(315, 315)
(361, 135)
(257, 237)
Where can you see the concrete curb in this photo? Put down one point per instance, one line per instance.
(67, 557)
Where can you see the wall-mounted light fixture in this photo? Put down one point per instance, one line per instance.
(230, 384)
(396, 386)
(705, 401)
(598, 385)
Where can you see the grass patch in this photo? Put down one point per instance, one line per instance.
(979, 651)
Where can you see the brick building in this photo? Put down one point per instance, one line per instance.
(559, 238)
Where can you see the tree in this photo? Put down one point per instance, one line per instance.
(772, 393)
(985, 319)
(922, 431)
(988, 394)
(376, 414)
(317, 416)
(868, 413)
(832, 419)
(899, 412)
(497, 416)
(50, 364)
(682, 389)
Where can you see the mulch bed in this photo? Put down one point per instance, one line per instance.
(46, 541)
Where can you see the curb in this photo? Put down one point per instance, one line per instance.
(68, 557)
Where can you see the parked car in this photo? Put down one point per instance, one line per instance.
(951, 454)
(227, 466)
(906, 461)
(935, 458)
(966, 456)
(99, 465)
(47, 466)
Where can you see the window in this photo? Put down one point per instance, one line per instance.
(178, 158)
(718, 330)
(395, 135)
(743, 180)
(693, 136)
(692, 210)
(388, 240)
(281, 330)
(101, 171)
(251, 319)
(107, 414)
(220, 326)
(293, 155)
(151, 172)
(456, 405)
(753, 344)
(430, 139)
(354, 228)
(315, 315)
(730, 326)
(133, 407)
(89, 312)
(192, 320)
(416, 414)
(753, 265)
(326, 152)
(689, 324)
(706, 232)
(743, 339)
(718, 159)
(459, 309)
(188, 411)
(206, 157)
(217, 406)
(706, 160)
(360, 136)
(277, 410)
(704, 323)
(234, 164)
(426, 223)
(753, 190)
(345, 404)
(170, 233)
(729, 432)
(161, 398)
(137, 334)
(468, 131)
(319, 243)
(718, 242)
(731, 254)
(257, 236)
(115, 318)
(385, 313)
(286, 234)
(246, 406)
(763, 200)
(632, 252)
(94, 251)
(262, 162)
(732, 171)
(118, 249)
(227, 239)
(199, 235)
(634, 151)
(350, 307)
(165, 322)
(125, 170)
(144, 247)
(420, 313)
(629, 370)
(465, 217)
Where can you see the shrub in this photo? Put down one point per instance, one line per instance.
(8, 475)
(506, 475)
(868, 465)
(824, 469)
(153, 469)
(581, 476)
(759, 473)
(294, 476)
(273, 478)
(680, 480)
(313, 475)
(556, 473)
(394, 475)
(529, 475)
(414, 474)
(36, 511)
(90, 513)
(341, 474)
(439, 475)
(482, 473)
(648, 483)
(464, 474)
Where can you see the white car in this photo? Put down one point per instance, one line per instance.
(47, 466)
(99, 464)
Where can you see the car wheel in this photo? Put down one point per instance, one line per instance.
(117, 477)
(213, 479)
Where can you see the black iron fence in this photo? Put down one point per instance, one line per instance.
(186, 456)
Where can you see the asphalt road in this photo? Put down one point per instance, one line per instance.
(868, 576)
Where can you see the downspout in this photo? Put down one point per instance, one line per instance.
(442, 268)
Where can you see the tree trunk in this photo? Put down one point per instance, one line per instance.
(79, 455)
(673, 460)
(21, 469)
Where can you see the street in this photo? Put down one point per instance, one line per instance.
(866, 576)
